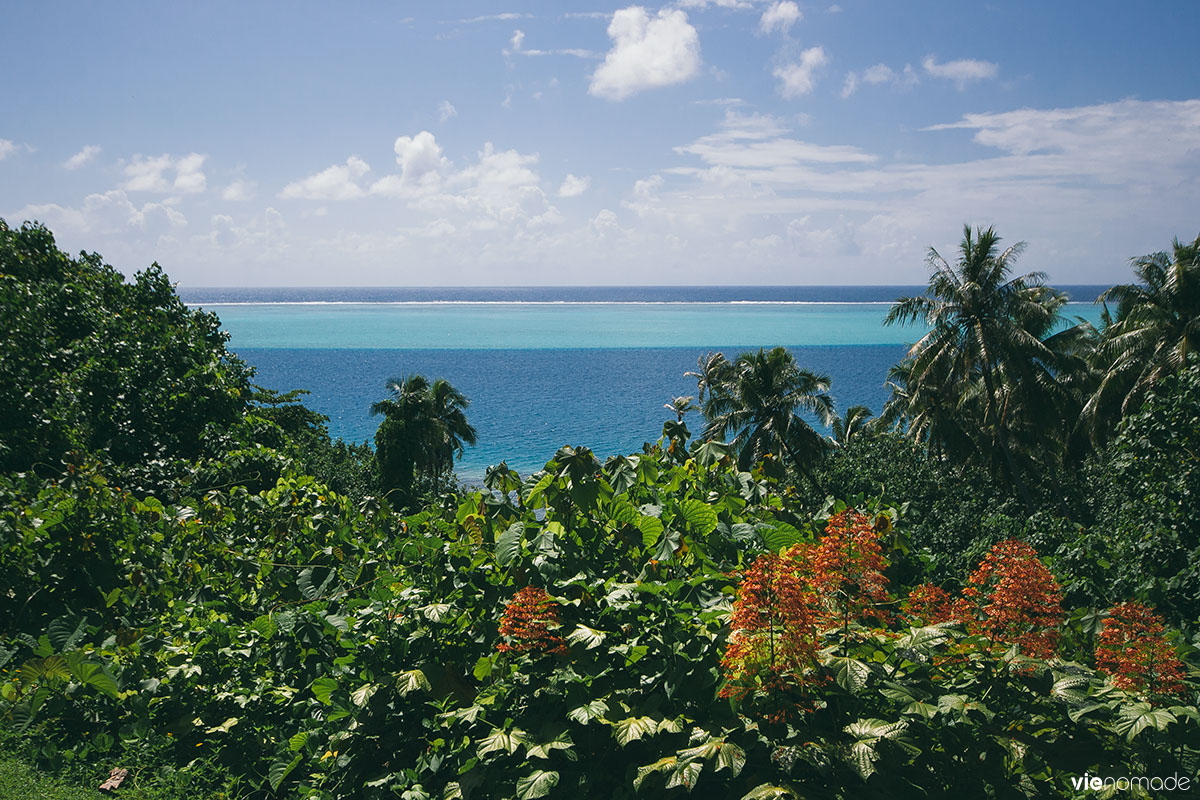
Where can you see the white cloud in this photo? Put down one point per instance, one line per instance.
(517, 47)
(962, 71)
(717, 3)
(7, 148)
(647, 53)
(880, 74)
(84, 156)
(335, 183)
(108, 213)
(758, 142)
(798, 79)
(238, 191)
(780, 16)
(446, 110)
(422, 166)
(149, 174)
(850, 86)
(507, 15)
(573, 186)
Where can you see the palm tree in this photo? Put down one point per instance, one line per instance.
(856, 422)
(452, 429)
(1156, 327)
(713, 369)
(424, 427)
(757, 405)
(987, 365)
(680, 406)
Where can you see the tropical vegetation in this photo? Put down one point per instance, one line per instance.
(956, 597)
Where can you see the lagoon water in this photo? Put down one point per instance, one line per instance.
(549, 366)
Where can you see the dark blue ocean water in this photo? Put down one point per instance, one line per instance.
(541, 365)
(525, 404)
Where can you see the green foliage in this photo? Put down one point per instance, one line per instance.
(1145, 488)
(92, 363)
(313, 648)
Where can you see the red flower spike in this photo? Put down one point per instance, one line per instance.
(1012, 598)
(1132, 648)
(928, 605)
(527, 621)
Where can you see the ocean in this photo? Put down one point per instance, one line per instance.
(548, 366)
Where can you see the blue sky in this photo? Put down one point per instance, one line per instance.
(698, 142)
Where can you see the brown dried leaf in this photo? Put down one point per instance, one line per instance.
(114, 779)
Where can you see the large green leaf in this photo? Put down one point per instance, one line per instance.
(1137, 717)
(588, 712)
(543, 749)
(780, 536)
(410, 681)
(851, 674)
(685, 774)
(66, 632)
(90, 673)
(536, 784)
(510, 543)
(664, 764)
(651, 528)
(700, 516)
(280, 768)
(768, 791)
(363, 694)
(731, 757)
(589, 637)
(498, 740)
(323, 688)
(633, 728)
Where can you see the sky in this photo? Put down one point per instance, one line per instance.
(701, 142)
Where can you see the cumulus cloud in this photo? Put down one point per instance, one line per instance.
(799, 79)
(238, 191)
(446, 110)
(780, 16)
(7, 148)
(880, 74)
(150, 174)
(422, 166)
(338, 182)
(574, 186)
(110, 212)
(962, 71)
(647, 53)
(84, 156)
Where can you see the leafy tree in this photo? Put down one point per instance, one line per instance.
(92, 363)
(982, 383)
(1157, 326)
(424, 428)
(756, 407)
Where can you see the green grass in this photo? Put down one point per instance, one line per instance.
(19, 781)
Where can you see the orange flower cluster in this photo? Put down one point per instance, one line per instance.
(928, 605)
(1012, 598)
(527, 621)
(1133, 649)
(775, 620)
(848, 567)
(785, 600)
